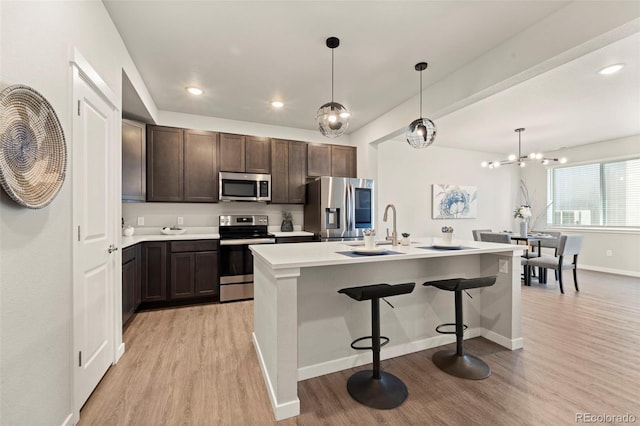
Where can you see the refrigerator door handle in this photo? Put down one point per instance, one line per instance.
(347, 205)
(352, 206)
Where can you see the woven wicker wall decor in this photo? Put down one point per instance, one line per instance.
(33, 152)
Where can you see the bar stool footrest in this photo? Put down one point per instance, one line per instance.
(450, 324)
(384, 393)
(383, 341)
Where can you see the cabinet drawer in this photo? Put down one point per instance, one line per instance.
(198, 245)
(129, 254)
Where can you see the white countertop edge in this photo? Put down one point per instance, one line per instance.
(135, 239)
(327, 255)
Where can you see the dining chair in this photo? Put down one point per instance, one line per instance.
(567, 258)
(476, 233)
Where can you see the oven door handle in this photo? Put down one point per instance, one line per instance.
(247, 241)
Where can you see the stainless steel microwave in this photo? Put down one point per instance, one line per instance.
(244, 187)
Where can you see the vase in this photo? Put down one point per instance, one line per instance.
(523, 228)
(287, 226)
(447, 237)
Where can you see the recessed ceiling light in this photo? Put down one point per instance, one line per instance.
(611, 69)
(277, 104)
(195, 91)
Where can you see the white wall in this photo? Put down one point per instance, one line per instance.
(36, 42)
(625, 244)
(405, 177)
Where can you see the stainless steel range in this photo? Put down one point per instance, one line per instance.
(237, 232)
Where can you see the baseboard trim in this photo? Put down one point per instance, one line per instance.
(119, 352)
(68, 421)
(610, 270)
(511, 344)
(363, 358)
(280, 411)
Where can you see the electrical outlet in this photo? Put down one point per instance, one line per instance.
(503, 266)
(140, 221)
(609, 253)
(180, 220)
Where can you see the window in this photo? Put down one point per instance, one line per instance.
(597, 194)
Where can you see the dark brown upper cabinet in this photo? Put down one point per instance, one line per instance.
(134, 157)
(331, 160)
(200, 166)
(319, 159)
(181, 165)
(343, 161)
(244, 154)
(165, 164)
(289, 172)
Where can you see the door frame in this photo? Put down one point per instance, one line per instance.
(81, 70)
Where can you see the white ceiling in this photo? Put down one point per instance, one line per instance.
(245, 54)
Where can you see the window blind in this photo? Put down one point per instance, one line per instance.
(597, 194)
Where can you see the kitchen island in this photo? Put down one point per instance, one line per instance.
(303, 327)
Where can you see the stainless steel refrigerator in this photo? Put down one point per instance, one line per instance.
(339, 208)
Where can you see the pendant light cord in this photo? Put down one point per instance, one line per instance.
(332, 75)
(420, 94)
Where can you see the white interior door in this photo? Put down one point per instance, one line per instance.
(94, 224)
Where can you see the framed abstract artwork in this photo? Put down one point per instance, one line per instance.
(454, 202)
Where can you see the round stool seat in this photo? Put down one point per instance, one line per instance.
(458, 284)
(456, 362)
(376, 291)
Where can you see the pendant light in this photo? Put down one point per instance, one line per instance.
(332, 117)
(421, 132)
(520, 160)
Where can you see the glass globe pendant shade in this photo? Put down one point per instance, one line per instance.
(421, 133)
(333, 119)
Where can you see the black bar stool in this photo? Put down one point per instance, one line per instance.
(457, 363)
(375, 388)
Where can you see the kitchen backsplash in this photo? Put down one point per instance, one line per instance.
(204, 215)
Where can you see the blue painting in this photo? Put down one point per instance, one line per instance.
(454, 202)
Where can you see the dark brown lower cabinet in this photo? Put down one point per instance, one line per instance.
(194, 269)
(154, 271)
(131, 264)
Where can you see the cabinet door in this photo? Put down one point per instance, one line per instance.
(129, 279)
(297, 171)
(165, 169)
(206, 281)
(182, 275)
(258, 155)
(319, 159)
(134, 158)
(343, 161)
(200, 166)
(231, 153)
(280, 173)
(154, 271)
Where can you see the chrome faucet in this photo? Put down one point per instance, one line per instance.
(394, 232)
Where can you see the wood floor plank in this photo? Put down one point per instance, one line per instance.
(197, 366)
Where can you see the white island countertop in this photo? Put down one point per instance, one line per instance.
(303, 325)
(303, 255)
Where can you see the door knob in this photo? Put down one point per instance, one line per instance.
(112, 248)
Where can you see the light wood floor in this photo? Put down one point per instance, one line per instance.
(196, 366)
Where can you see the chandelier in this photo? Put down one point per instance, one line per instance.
(520, 159)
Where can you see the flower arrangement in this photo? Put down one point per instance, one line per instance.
(368, 232)
(522, 212)
(406, 234)
(447, 229)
